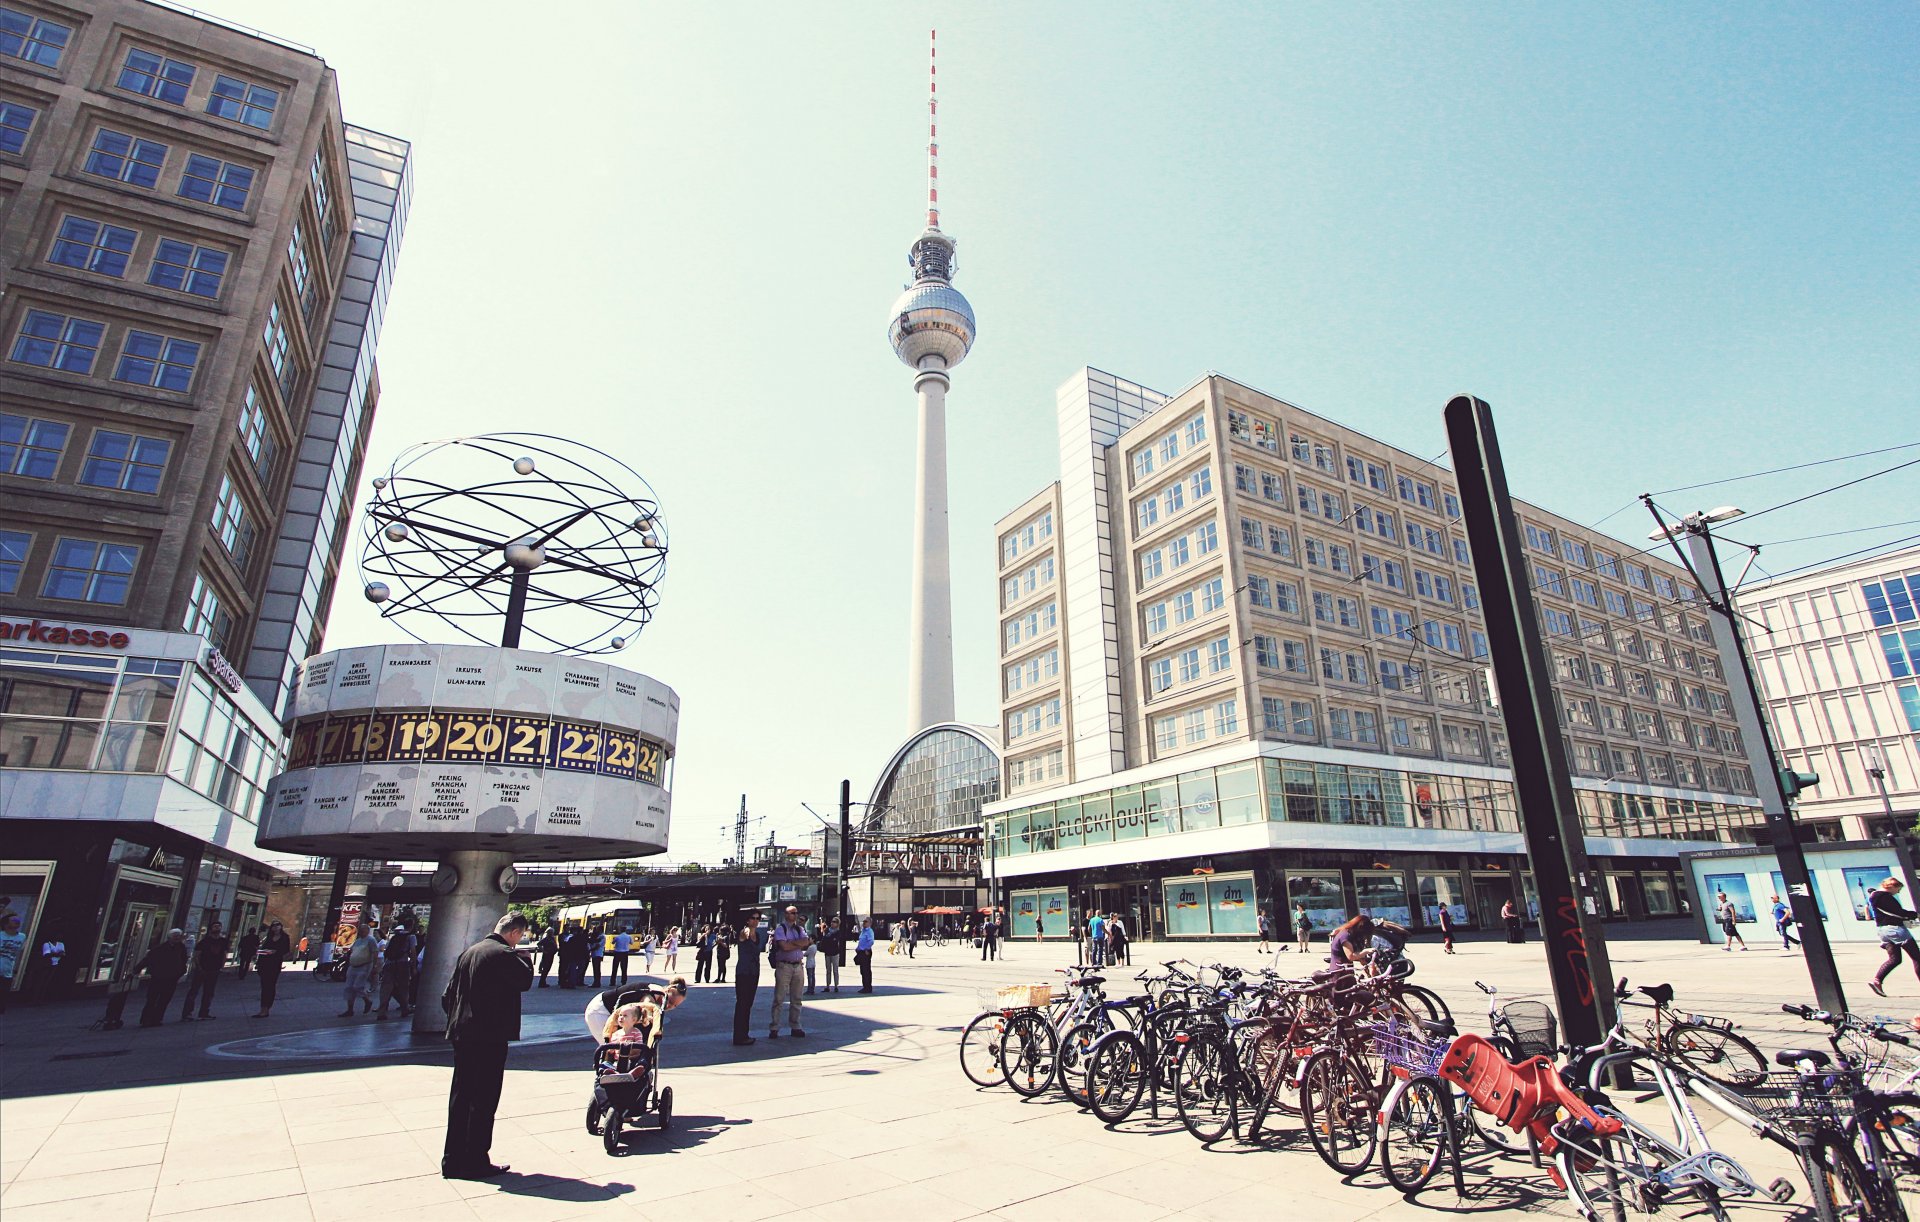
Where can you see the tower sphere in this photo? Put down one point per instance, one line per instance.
(931, 319)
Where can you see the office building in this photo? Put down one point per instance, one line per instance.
(197, 250)
(1243, 666)
(1837, 652)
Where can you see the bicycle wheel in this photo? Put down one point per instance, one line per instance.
(1417, 1134)
(1609, 1177)
(1714, 1052)
(1268, 1062)
(1030, 1054)
(980, 1049)
(1117, 1072)
(1425, 1002)
(1075, 1048)
(1842, 1189)
(1336, 1104)
(1203, 1091)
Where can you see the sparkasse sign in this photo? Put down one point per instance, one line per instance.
(38, 633)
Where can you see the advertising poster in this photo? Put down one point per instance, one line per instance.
(1734, 887)
(1780, 889)
(1862, 881)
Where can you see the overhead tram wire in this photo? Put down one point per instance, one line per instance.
(1734, 479)
(1799, 500)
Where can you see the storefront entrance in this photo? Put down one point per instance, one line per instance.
(1490, 894)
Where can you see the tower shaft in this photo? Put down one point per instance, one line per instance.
(930, 660)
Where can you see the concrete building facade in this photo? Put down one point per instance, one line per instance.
(1238, 630)
(1837, 652)
(195, 252)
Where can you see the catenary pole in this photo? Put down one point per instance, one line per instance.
(1577, 965)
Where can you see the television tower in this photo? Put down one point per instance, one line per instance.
(931, 330)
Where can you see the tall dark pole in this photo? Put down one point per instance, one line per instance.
(1576, 949)
(1766, 766)
(516, 608)
(846, 853)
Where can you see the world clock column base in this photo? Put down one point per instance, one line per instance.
(466, 904)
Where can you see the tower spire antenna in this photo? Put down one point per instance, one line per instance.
(933, 129)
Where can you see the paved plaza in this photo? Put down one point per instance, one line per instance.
(308, 1116)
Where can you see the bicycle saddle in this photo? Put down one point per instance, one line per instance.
(1439, 1028)
(1087, 982)
(1790, 1058)
(1662, 994)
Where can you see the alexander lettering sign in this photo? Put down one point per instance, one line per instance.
(38, 633)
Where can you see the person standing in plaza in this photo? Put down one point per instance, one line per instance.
(363, 968)
(818, 931)
(164, 965)
(913, 935)
(1783, 924)
(863, 954)
(1516, 928)
(789, 951)
(1446, 927)
(722, 947)
(622, 950)
(989, 935)
(1266, 930)
(648, 946)
(746, 980)
(703, 955)
(549, 948)
(1097, 939)
(671, 950)
(13, 948)
(267, 962)
(599, 951)
(833, 948)
(1729, 921)
(209, 960)
(248, 948)
(1303, 927)
(396, 971)
(1040, 927)
(482, 1003)
(1119, 946)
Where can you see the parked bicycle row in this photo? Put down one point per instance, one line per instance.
(1375, 1072)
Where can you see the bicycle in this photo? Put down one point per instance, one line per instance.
(1858, 1158)
(1707, 1045)
(1343, 1082)
(1521, 1029)
(1419, 1125)
(1229, 1062)
(1124, 1066)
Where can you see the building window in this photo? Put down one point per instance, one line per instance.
(1160, 674)
(155, 76)
(1219, 656)
(187, 268)
(31, 447)
(93, 246)
(303, 283)
(205, 615)
(125, 461)
(54, 341)
(213, 181)
(276, 337)
(1226, 718)
(158, 361)
(230, 524)
(13, 559)
(34, 39)
(16, 122)
(85, 570)
(1259, 591)
(123, 158)
(243, 102)
(1166, 733)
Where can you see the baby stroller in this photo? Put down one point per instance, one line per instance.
(626, 1081)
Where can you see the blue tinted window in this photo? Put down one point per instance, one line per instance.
(30, 447)
(187, 268)
(86, 571)
(92, 246)
(242, 102)
(154, 76)
(54, 341)
(157, 360)
(13, 558)
(1899, 601)
(125, 461)
(212, 181)
(119, 156)
(34, 39)
(1909, 701)
(1896, 655)
(15, 122)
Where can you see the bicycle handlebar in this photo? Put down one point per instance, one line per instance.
(1488, 989)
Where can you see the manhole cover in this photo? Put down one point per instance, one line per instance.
(90, 1056)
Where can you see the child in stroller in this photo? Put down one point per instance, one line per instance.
(626, 1065)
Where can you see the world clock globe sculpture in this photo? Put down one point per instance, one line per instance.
(472, 754)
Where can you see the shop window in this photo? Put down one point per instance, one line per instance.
(1320, 892)
(1382, 895)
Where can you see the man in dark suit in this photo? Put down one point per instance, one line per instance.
(483, 1016)
(746, 979)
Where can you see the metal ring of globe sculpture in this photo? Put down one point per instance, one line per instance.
(478, 755)
(467, 554)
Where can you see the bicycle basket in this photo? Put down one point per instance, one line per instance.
(1791, 1096)
(1025, 996)
(1406, 1047)
(1535, 1031)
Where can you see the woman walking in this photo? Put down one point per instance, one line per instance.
(1730, 922)
(1446, 927)
(1890, 919)
(267, 962)
(672, 949)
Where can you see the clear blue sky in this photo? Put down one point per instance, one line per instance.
(1668, 243)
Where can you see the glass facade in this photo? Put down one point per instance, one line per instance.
(83, 712)
(1254, 791)
(939, 782)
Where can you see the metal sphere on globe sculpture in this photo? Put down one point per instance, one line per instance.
(540, 534)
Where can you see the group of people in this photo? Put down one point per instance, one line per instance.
(384, 967)
(199, 960)
(1108, 944)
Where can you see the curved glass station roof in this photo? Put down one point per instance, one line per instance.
(936, 782)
